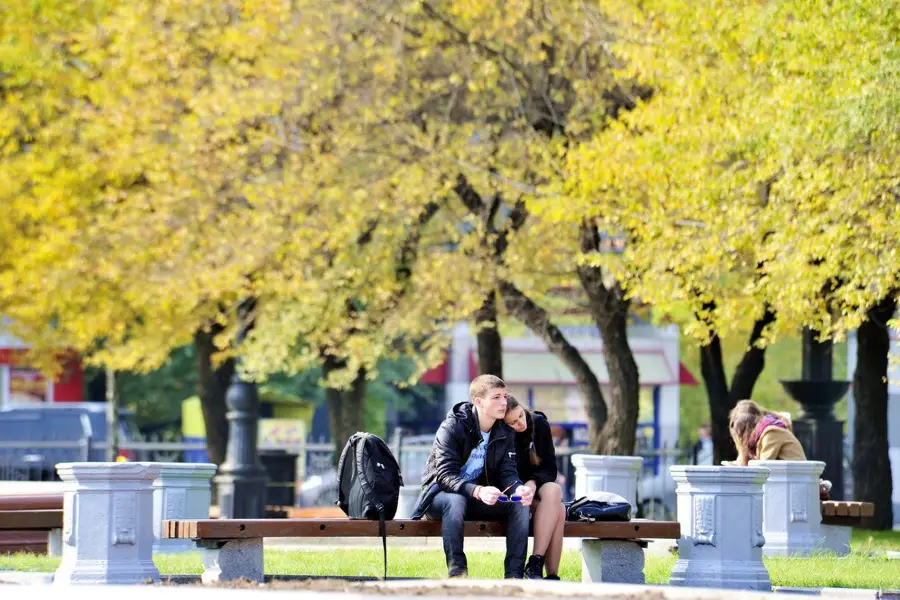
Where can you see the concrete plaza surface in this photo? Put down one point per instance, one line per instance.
(21, 586)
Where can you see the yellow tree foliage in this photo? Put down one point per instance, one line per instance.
(198, 166)
(764, 170)
(290, 152)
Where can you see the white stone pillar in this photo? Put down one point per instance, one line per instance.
(180, 491)
(791, 514)
(616, 474)
(720, 510)
(107, 523)
(407, 502)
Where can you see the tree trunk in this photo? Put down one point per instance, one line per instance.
(490, 345)
(346, 408)
(617, 437)
(212, 384)
(713, 371)
(609, 310)
(752, 363)
(871, 463)
(723, 398)
(536, 318)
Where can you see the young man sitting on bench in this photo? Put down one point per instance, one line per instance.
(471, 474)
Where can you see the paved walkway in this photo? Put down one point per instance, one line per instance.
(19, 586)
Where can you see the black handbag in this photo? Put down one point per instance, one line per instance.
(587, 510)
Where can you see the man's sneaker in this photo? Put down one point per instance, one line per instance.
(459, 574)
(534, 569)
(552, 577)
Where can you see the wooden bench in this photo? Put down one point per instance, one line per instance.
(30, 524)
(838, 521)
(233, 548)
(848, 514)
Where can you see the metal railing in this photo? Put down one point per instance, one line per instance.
(316, 465)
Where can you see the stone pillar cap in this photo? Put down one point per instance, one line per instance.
(173, 469)
(600, 460)
(108, 471)
(796, 466)
(711, 474)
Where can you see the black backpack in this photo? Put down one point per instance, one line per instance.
(369, 482)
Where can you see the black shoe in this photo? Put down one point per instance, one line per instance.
(552, 577)
(459, 574)
(534, 569)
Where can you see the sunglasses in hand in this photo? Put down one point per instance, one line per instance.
(504, 498)
(509, 499)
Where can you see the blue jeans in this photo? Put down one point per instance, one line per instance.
(453, 510)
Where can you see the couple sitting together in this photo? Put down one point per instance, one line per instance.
(493, 459)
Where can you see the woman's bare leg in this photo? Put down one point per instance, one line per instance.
(554, 550)
(546, 517)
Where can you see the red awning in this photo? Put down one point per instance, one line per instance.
(685, 377)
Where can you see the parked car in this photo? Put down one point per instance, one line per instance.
(33, 439)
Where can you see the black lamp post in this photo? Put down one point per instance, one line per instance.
(241, 481)
(820, 433)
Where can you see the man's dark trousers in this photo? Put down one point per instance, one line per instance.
(453, 510)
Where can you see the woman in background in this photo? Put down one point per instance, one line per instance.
(761, 434)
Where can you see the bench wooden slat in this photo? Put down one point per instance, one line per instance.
(31, 519)
(12, 541)
(845, 513)
(32, 502)
(212, 529)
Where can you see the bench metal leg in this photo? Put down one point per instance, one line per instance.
(233, 559)
(612, 561)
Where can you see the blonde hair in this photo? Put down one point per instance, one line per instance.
(743, 419)
(483, 384)
(512, 404)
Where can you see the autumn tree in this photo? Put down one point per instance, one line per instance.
(761, 171)
(186, 174)
(492, 98)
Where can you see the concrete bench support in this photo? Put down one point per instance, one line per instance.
(836, 539)
(612, 561)
(231, 560)
(107, 523)
(791, 515)
(721, 511)
(54, 542)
